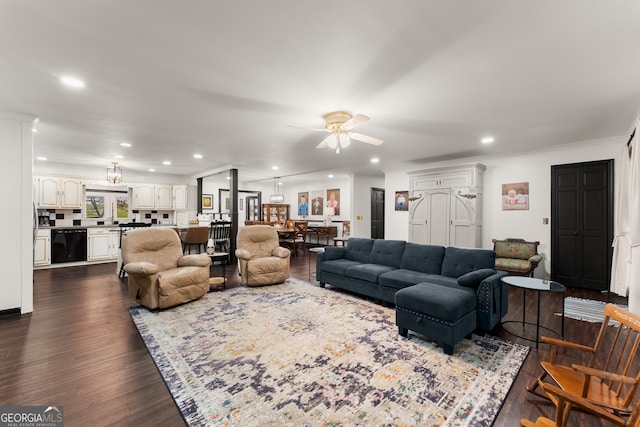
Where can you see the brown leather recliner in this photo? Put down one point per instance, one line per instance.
(159, 275)
(261, 260)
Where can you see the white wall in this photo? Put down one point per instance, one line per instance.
(99, 174)
(16, 286)
(535, 168)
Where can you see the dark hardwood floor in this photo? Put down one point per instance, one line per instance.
(79, 349)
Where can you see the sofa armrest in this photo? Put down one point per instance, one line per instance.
(535, 259)
(243, 254)
(199, 260)
(141, 268)
(281, 252)
(492, 298)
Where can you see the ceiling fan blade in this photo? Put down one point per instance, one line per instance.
(324, 143)
(356, 120)
(307, 128)
(365, 138)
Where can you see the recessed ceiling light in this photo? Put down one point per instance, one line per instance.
(36, 120)
(151, 170)
(275, 168)
(34, 130)
(375, 160)
(72, 82)
(166, 163)
(119, 156)
(41, 158)
(197, 156)
(330, 176)
(487, 140)
(125, 144)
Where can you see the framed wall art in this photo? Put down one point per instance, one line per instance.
(303, 204)
(515, 196)
(317, 203)
(207, 201)
(402, 201)
(333, 202)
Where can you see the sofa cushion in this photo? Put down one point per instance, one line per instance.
(358, 249)
(368, 272)
(387, 252)
(459, 261)
(514, 265)
(473, 278)
(448, 304)
(337, 266)
(401, 278)
(422, 258)
(333, 252)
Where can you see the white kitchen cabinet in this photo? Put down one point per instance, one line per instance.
(144, 196)
(151, 196)
(446, 206)
(180, 197)
(102, 244)
(164, 197)
(58, 193)
(42, 248)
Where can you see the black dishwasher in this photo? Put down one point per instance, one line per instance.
(68, 245)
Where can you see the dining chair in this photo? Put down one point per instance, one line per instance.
(220, 233)
(196, 236)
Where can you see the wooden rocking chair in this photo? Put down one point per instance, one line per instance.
(566, 400)
(606, 380)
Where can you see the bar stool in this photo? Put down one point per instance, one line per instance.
(196, 236)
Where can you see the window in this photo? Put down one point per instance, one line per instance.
(106, 204)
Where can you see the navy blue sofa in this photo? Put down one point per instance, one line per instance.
(379, 268)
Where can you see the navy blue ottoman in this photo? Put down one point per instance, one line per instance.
(445, 315)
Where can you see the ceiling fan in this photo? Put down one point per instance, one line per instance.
(339, 125)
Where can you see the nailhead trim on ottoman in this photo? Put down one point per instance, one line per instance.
(443, 314)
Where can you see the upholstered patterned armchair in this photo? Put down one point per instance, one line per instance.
(261, 259)
(159, 275)
(516, 256)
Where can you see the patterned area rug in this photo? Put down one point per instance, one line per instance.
(586, 309)
(299, 355)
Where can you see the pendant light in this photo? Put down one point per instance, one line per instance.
(114, 174)
(276, 197)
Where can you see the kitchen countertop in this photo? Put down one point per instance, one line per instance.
(55, 227)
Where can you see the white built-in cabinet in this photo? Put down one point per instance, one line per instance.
(446, 206)
(42, 247)
(180, 197)
(58, 193)
(102, 244)
(152, 196)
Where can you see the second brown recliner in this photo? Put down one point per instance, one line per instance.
(261, 259)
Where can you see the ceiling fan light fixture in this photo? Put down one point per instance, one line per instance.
(344, 140)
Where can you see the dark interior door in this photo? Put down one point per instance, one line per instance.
(582, 224)
(377, 213)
